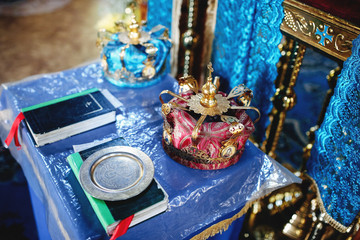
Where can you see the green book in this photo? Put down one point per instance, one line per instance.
(69, 115)
(150, 202)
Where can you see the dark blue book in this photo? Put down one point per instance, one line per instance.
(150, 202)
(70, 115)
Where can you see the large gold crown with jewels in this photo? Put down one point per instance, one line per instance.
(206, 128)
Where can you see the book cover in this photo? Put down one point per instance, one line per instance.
(63, 117)
(152, 201)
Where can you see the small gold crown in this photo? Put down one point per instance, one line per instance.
(218, 109)
(131, 56)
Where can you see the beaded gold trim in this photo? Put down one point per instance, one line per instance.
(327, 218)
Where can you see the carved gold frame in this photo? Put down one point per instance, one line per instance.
(319, 29)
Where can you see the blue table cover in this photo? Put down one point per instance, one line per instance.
(201, 203)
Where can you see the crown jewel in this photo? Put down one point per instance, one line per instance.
(206, 129)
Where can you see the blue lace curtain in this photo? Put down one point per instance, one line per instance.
(335, 158)
(245, 49)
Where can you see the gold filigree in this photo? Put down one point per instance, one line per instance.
(194, 151)
(149, 70)
(248, 108)
(236, 128)
(175, 105)
(196, 129)
(134, 33)
(229, 119)
(188, 83)
(232, 141)
(222, 105)
(236, 91)
(172, 94)
(167, 127)
(167, 137)
(304, 22)
(209, 90)
(342, 44)
(229, 146)
(296, 22)
(122, 57)
(243, 93)
(306, 27)
(165, 109)
(228, 151)
(104, 63)
(103, 37)
(290, 20)
(197, 153)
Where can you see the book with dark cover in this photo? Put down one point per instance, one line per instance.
(67, 116)
(150, 202)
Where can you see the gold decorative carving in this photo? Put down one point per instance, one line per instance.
(297, 22)
(188, 83)
(342, 44)
(197, 153)
(165, 109)
(321, 30)
(221, 107)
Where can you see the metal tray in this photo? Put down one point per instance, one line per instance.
(116, 173)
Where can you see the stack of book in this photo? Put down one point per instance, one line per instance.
(121, 164)
(148, 203)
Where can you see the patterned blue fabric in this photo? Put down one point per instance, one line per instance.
(245, 49)
(160, 12)
(335, 158)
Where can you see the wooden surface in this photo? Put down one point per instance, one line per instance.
(49, 42)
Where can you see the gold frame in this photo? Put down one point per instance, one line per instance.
(314, 27)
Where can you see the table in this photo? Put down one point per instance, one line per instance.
(201, 203)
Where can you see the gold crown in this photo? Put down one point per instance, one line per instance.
(207, 106)
(131, 56)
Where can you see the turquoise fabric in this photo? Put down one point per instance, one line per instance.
(245, 49)
(160, 12)
(335, 157)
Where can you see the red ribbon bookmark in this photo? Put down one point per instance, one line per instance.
(122, 227)
(13, 134)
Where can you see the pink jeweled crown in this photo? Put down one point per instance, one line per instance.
(206, 129)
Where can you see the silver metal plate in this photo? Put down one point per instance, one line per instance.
(116, 173)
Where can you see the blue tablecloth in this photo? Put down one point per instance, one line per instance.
(201, 203)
